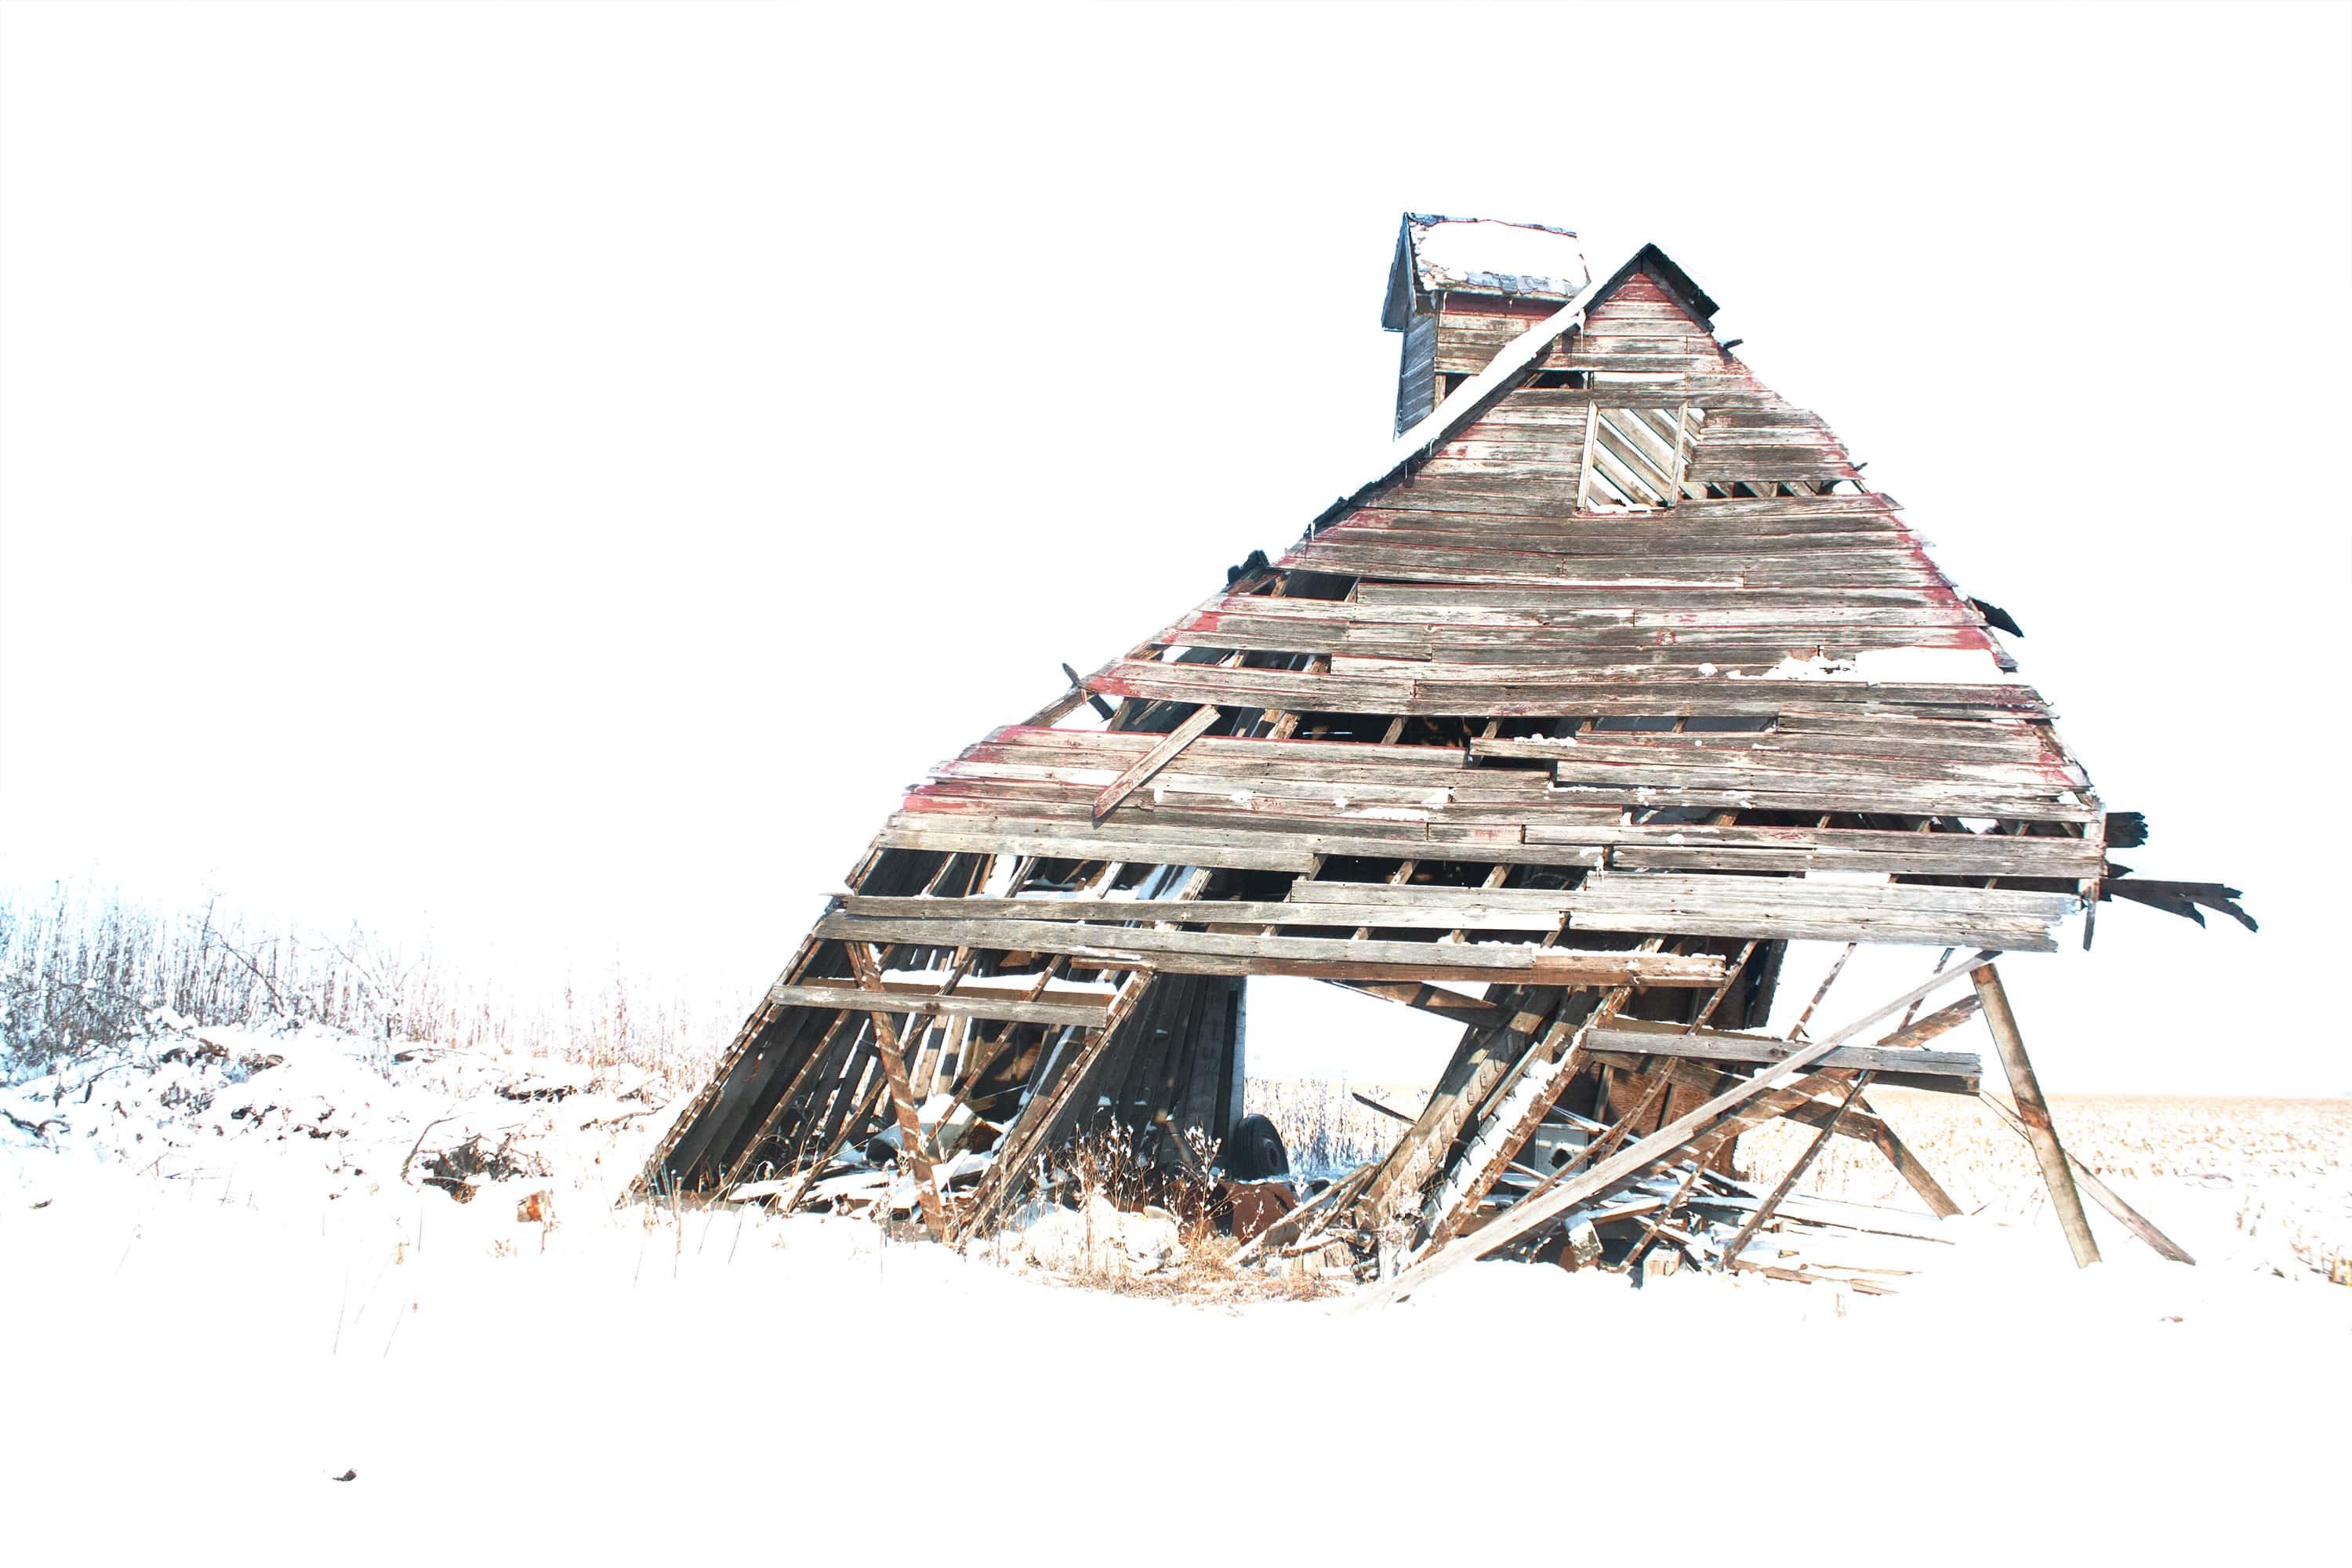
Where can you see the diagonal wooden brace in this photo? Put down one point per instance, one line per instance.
(1140, 772)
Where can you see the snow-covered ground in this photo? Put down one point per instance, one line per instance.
(218, 1292)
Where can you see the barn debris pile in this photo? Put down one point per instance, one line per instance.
(1614, 679)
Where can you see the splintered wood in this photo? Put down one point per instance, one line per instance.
(1619, 680)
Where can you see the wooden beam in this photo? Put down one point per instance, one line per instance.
(1139, 772)
(1430, 915)
(1909, 1166)
(1428, 998)
(1942, 1021)
(2104, 1196)
(1029, 991)
(1540, 1208)
(902, 1097)
(1206, 952)
(2034, 1112)
(1764, 1210)
(1659, 1040)
(933, 1004)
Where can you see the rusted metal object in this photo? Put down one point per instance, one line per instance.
(1254, 1207)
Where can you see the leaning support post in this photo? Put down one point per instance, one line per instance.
(2034, 1111)
(911, 1141)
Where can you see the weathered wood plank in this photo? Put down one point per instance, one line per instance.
(1140, 771)
(2001, 919)
(951, 838)
(1430, 999)
(1659, 693)
(1497, 960)
(1642, 1038)
(934, 1005)
(2034, 1112)
(1435, 915)
(913, 1145)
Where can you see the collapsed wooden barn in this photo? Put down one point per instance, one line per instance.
(1617, 678)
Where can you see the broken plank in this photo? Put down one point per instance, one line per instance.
(1140, 771)
(1433, 999)
(1645, 1037)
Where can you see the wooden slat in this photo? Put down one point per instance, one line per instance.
(934, 1005)
(1233, 954)
(1304, 691)
(1259, 840)
(1773, 907)
(1435, 915)
(1151, 762)
(1640, 1037)
(1433, 999)
(949, 837)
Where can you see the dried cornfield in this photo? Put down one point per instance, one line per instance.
(2285, 1166)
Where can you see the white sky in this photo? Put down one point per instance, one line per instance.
(550, 476)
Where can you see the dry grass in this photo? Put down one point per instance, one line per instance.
(1207, 1278)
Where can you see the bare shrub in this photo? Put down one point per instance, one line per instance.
(81, 970)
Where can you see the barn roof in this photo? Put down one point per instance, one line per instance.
(1480, 256)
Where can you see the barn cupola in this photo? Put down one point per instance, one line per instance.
(1460, 289)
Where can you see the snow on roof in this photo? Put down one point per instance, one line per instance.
(1515, 258)
(1482, 256)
